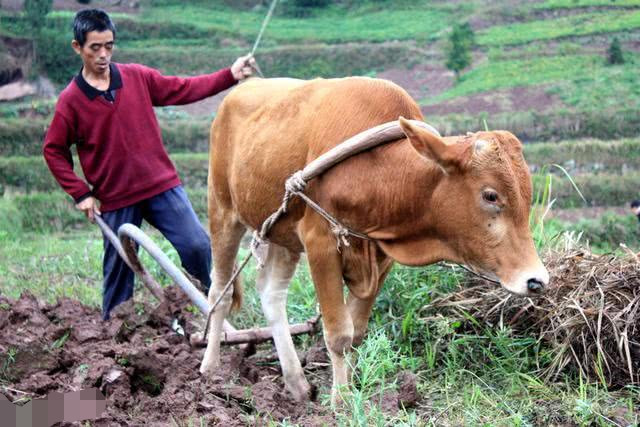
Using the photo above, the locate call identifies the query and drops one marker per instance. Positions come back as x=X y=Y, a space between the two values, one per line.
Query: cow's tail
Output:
x=236 y=298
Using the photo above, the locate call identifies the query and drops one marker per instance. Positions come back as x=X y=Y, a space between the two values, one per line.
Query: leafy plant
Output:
x=614 y=53
x=458 y=51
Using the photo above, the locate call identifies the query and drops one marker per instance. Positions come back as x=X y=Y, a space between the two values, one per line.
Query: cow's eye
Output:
x=490 y=196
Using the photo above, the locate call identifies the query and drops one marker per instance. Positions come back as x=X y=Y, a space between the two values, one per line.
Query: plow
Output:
x=128 y=235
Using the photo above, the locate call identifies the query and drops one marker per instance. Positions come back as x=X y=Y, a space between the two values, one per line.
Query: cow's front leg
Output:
x=360 y=306
x=326 y=271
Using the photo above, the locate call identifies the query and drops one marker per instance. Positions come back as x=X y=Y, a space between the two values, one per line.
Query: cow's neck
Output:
x=388 y=195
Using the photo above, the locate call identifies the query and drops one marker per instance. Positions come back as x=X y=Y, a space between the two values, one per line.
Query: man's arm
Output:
x=57 y=154
x=172 y=90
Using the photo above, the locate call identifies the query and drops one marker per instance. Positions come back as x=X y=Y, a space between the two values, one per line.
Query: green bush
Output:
x=534 y=126
x=54 y=211
x=24 y=137
x=25 y=174
x=20 y=137
x=614 y=53
x=31 y=174
x=598 y=190
x=605 y=232
x=186 y=135
x=55 y=58
x=584 y=156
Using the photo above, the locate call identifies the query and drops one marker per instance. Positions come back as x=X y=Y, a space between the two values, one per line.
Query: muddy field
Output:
x=149 y=373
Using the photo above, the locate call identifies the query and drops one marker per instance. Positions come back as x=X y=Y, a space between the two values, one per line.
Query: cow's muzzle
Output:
x=535 y=286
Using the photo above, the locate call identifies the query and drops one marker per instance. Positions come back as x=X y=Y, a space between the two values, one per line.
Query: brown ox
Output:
x=422 y=199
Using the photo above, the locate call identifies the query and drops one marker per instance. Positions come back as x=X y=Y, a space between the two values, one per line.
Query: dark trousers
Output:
x=172 y=214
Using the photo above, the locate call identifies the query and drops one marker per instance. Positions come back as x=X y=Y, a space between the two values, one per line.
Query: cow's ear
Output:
x=450 y=157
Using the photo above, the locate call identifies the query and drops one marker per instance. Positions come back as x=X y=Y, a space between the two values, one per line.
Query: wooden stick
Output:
x=258 y=335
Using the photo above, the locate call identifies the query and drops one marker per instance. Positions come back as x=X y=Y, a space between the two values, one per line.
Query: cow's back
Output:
x=267 y=129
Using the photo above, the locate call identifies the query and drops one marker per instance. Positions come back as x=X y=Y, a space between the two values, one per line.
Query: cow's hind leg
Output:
x=226 y=234
x=273 y=282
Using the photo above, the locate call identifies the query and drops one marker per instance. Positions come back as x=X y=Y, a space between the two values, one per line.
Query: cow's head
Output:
x=481 y=205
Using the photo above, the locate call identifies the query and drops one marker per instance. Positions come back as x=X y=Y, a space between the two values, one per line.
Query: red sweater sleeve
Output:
x=57 y=153
x=171 y=90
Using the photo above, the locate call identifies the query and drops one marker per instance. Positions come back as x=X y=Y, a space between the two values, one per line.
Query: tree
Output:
x=458 y=50
x=614 y=53
x=36 y=12
x=303 y=8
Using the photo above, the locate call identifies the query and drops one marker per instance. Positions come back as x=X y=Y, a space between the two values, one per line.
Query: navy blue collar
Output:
x=91 y=92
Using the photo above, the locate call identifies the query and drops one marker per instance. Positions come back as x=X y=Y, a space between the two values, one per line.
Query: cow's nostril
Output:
x=535 y=285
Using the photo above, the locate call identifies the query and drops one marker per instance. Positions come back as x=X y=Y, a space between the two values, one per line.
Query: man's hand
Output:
x=243 y=67
x=90 y=207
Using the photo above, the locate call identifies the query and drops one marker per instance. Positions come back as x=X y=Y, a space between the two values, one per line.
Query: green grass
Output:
x=603 y=234
x=601 y=87
x=567 y=26
x=331 y=25
x=522 y=72
x=573 y=4
x=66 y=264
x=582 y=82
x=586 y=155
x=488 y=377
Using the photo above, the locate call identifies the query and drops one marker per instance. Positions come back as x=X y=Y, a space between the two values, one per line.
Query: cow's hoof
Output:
x=299 y=389
x=340 y=395
x=196 y=339
x=208 y=369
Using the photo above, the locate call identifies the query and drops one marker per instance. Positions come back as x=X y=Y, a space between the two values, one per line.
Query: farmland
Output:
x=539 y=70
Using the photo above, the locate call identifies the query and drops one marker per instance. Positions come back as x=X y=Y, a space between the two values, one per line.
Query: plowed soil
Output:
x=147 y=371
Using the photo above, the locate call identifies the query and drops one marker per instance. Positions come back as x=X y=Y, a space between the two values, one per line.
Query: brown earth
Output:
x=148 y=373
x=425 y=81
x=531 y=98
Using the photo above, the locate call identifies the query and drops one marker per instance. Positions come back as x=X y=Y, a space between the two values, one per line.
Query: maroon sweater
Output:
x=120 y=144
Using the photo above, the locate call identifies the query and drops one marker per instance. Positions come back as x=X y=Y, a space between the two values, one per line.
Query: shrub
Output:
x=31 y=174
x=458 y=51
x=303 y=8
x=20 y=137
x=614 y=53
x=36 y=12
x=586 y=156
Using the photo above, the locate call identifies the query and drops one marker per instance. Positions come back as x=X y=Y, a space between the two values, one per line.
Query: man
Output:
x=635 y=208
x=107 y=111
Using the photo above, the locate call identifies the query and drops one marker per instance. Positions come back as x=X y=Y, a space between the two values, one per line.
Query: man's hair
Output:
x=635 y=204
x=88 y=20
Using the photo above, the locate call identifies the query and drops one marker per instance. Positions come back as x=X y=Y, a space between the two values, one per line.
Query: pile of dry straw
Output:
x=591 y=319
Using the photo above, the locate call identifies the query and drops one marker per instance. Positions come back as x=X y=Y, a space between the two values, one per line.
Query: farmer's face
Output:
x=96 y=51
x=636 y=210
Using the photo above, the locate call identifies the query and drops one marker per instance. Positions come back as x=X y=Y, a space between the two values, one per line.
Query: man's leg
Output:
x=171 y=213
x=118 y=277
